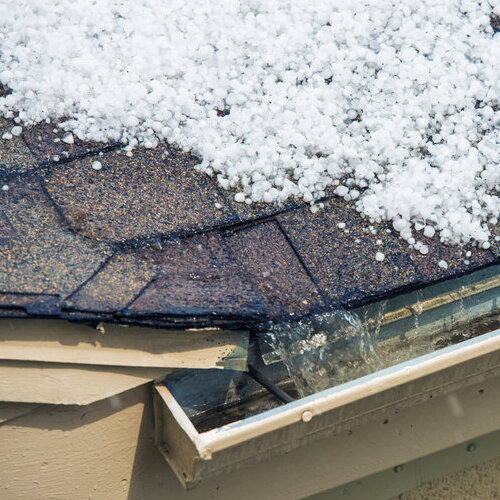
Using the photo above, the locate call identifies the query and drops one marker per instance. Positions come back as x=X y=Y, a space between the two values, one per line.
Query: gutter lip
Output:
x=307 y=408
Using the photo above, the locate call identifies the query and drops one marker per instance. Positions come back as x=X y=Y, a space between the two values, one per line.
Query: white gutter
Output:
x=288 y=426
x=309 y=407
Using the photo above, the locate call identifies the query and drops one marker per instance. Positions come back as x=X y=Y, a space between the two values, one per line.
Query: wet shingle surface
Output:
x=153 y=193
x=339 y=250
x=15 y=157
x=116 y=285
x=38 y=254
x=264 y=254
x=445 y=261
x=150 y=240
x=198 y=277
x=46 y=143
x=255 y=211
x=495 y=247
x=34 y=304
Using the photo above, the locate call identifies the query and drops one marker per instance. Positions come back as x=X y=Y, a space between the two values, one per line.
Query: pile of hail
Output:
x=391 y=104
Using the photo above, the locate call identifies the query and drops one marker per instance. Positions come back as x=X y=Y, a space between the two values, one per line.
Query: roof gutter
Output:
x=326 y=412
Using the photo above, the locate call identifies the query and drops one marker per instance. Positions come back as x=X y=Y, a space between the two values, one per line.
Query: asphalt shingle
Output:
x=455 y=257
x=37 y=253
x=495 y=244
x=198 y=277
x=34 y=304
x=46 y=144
x=15 y=157
x=154 y=193
x=264 y=254
x=255 y=211
x=117 y=284
x=342 y=260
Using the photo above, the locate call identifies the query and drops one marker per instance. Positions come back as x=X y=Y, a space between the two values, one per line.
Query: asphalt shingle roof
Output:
x=148 y=239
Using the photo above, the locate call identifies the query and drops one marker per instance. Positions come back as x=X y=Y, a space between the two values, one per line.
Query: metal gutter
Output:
x=320 y=403
x=324 y=413
x=464 y=292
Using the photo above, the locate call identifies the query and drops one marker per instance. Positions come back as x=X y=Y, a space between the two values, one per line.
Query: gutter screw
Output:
x=307 y=416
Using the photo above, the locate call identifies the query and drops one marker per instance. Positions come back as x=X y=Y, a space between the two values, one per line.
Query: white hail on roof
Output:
x=399 y=100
